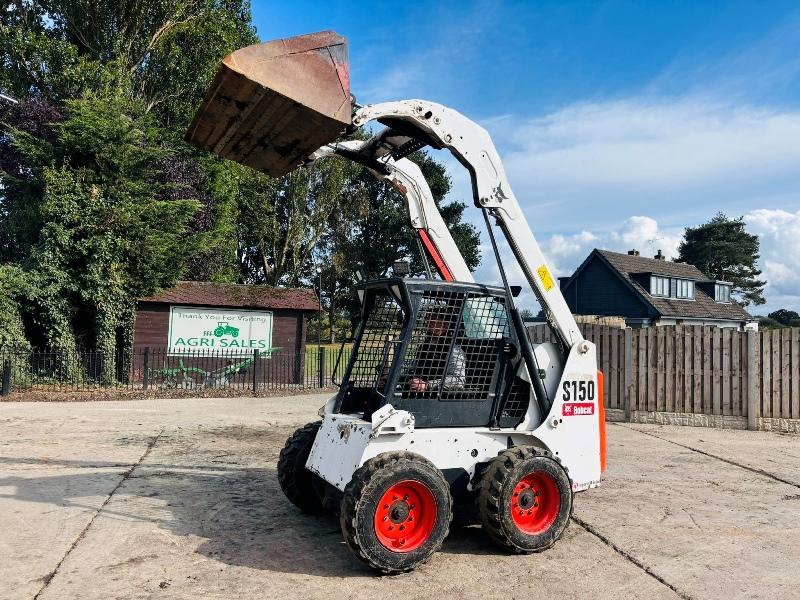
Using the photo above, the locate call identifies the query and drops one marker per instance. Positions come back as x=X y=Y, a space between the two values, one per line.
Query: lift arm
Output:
x=471 y=144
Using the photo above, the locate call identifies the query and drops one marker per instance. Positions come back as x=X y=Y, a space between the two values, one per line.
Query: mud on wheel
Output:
x=525 y=499
x=295 y=480
x=396 y=512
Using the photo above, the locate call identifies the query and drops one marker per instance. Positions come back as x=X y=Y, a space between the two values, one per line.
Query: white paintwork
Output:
x=471 y=144
x=345 y=442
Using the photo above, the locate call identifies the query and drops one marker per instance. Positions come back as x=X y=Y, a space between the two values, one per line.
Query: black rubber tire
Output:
x=360 y=500
x=497 y=487
x=295 y=480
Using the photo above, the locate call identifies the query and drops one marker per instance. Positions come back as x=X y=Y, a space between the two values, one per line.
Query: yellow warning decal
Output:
x=544 y=275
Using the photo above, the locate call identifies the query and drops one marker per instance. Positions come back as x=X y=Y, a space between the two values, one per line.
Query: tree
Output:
x=787 y=318
x=162 y=52
x=110 y=230
x=372 y=231
x=101 y=201
x=723 y=250
x=281 y=221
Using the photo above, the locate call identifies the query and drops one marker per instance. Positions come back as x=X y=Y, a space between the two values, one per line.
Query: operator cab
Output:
x=446 y=352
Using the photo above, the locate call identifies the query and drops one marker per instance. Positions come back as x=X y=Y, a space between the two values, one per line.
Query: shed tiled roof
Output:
x=702 y=307
x=206 y=293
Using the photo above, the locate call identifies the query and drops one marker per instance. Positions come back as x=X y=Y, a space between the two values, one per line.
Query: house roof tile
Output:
x=703 y=306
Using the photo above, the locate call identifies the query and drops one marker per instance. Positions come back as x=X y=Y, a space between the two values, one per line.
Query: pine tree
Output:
x=723 y=250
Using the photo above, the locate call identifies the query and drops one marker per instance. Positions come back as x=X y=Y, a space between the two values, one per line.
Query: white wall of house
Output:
x=739 y=325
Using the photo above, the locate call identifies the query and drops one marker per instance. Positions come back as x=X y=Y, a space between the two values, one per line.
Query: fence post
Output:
x=146 y=369
x=321 y=367
x=6 y=377
x=752 y=397
x=627 y=364
x=255 y=370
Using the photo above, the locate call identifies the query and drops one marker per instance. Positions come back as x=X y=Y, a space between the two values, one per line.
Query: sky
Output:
x=619 y=123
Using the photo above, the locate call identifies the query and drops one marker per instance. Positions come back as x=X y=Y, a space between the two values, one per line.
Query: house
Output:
x=651 y=291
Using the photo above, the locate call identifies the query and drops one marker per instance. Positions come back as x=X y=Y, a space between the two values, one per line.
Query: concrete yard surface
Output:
x=179 y=499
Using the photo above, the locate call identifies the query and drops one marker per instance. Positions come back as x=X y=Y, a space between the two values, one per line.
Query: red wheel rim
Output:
x=535 y=503
x=405 y=516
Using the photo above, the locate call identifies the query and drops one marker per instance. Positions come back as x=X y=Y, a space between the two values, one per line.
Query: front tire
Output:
x=525 y=500
x=396 y=512
x=295 y=480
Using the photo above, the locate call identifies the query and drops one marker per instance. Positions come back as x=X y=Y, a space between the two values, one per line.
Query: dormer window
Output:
x=684 y=289
x=659 y=286
x=722 y=293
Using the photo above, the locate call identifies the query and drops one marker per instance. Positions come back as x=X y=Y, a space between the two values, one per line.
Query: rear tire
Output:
x=396 y=512
x=295 y=480
x=525 y=500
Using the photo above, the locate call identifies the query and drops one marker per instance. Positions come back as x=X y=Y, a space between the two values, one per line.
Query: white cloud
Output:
x=779 y=233
x=652 y=144
x=565 y=253
x=582 y=171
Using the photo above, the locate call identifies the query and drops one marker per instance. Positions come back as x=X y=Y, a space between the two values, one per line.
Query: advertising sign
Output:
x=234 y=331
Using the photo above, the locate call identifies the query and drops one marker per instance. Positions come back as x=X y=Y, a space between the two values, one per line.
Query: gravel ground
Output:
x=179 y=499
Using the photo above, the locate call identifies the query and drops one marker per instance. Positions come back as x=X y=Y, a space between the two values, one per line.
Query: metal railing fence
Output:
x=148 y=368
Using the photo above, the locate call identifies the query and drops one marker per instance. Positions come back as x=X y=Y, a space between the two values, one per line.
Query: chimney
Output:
x=634 y=252
x=660 y=256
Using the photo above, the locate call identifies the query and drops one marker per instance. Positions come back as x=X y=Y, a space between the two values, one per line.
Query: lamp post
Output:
x=319 y=314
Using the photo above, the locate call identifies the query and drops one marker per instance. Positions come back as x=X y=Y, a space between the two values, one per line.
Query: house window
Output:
x=684 y=289
x=659 y=286
x=722 y=293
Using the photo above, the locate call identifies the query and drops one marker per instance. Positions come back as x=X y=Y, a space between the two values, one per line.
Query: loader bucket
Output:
x=273 y=104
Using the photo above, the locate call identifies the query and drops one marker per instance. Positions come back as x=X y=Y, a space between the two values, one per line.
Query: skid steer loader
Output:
x=443 y=401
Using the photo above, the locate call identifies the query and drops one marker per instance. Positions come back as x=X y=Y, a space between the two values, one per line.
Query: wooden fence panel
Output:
x=736 y=399
x=725 y=351
x=765 y=389
x=786 y=354
x=614 y=396
x=688 y=390
x=697 y=369
x=716 y=373
x=794 y=386
x=660 y=369
x=641 y=369
x=775 y=397
x=675 y=367
x=605 y=335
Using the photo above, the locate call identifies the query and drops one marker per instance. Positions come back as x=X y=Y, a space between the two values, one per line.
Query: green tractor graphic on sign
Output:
x=225 y=328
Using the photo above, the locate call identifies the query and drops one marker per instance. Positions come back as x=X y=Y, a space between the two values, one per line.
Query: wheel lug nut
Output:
x=385 y=518
x=402 y=527
x=405 y=497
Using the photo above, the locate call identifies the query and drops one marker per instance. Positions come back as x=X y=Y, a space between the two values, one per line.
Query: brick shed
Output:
x=208 y=318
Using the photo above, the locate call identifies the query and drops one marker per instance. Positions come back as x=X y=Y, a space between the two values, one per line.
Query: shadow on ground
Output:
x=218 y=485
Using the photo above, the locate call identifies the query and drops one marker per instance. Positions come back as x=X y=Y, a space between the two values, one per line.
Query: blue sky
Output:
x=619 y=123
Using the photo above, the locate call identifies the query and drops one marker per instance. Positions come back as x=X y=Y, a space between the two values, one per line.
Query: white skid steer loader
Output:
x=444 y=400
